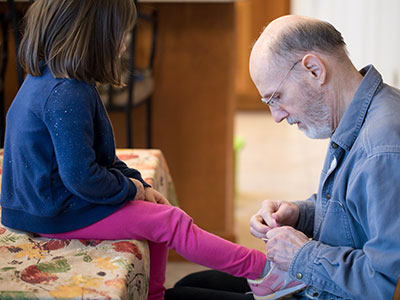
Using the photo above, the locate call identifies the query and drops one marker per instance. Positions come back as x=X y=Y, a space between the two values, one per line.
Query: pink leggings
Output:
x=169 y=227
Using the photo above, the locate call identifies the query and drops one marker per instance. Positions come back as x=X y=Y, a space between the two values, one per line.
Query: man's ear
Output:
x=315 y=67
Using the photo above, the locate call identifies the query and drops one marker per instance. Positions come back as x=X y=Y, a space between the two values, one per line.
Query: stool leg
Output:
x=158 y=266
x=131 y=87
x=15 y=20
x=149 y=122
x=4 y=60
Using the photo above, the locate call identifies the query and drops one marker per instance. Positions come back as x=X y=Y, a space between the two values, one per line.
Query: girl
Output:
x=62 y=178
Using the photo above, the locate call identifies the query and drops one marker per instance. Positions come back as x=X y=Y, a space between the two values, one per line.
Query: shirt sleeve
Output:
x=129 y=172
x=69 y=115
x=370 y=272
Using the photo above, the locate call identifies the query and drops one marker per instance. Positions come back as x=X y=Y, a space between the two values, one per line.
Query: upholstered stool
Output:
x=38 y=268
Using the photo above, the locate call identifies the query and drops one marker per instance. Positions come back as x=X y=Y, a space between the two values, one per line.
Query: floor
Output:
x=277 y=161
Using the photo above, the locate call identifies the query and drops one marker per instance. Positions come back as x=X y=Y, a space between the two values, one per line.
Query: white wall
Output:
x=371 y=30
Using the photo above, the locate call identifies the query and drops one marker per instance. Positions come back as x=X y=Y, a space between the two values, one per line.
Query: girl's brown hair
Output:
x=79 y=39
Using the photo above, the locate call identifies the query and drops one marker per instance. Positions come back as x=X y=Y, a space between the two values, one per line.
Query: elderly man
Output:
x=344 y=241
x=302 y=71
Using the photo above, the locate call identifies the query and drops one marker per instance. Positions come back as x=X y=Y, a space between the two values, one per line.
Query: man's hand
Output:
x=152 y=195
x=282 y=245
x=139 y=189
x=272 y=214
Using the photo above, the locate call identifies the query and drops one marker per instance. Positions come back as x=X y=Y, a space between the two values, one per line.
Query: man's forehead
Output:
x=261 y=67
x=265 y=80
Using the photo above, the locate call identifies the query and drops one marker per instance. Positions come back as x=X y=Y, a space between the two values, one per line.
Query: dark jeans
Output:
x=210 y=285
x=215 y=285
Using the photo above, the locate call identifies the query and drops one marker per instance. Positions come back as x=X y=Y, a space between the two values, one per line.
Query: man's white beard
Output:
x=317 y=120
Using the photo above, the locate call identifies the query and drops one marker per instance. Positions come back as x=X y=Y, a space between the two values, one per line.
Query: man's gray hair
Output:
x=303 y=37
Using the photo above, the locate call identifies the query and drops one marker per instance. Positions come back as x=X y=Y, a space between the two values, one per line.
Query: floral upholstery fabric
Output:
x=38 y=268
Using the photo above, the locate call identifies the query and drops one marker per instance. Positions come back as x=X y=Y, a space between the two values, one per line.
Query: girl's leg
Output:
x=170 y=225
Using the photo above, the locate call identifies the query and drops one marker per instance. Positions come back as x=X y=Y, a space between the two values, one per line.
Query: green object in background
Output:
x=238 y=144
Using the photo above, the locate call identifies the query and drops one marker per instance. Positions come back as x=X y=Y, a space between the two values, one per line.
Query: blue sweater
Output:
x=60 y=171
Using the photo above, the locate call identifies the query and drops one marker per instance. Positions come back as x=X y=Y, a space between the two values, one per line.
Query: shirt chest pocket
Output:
x=335 y=227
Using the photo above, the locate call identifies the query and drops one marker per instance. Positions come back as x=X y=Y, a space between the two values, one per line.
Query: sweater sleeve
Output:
x=69 y=114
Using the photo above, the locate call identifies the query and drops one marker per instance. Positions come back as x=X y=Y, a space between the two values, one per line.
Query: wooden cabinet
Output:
x=194 y=105
x=251 y=17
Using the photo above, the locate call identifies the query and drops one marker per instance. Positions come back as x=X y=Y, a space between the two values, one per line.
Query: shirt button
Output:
x=299 y=276
x=328 y=196
x=334 y=145
x=315 y=295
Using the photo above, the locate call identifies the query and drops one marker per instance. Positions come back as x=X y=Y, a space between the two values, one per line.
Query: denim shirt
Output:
x=354 y=220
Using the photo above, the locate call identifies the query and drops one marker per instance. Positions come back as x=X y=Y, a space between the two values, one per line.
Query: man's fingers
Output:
x=257 y=223
x=267 y=210
x=257 y=234
x=258 y=227
x=287 y=214
x=268 y=218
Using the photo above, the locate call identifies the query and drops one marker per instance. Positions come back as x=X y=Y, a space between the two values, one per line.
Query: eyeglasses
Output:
x=271 y=101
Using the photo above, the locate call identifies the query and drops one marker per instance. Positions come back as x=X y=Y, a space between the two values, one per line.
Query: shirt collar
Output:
x=354 y=116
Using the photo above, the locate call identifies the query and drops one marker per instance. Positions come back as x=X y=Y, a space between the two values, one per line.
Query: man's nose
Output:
x=278 y=114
